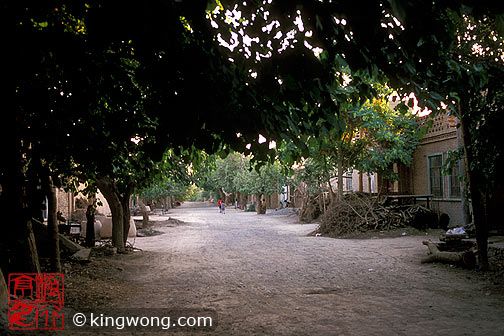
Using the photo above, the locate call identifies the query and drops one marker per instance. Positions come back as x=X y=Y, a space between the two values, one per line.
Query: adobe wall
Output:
x=272 y=201
x=104 y=208
x=65 y=203
x=365 y=182
x=441 y=138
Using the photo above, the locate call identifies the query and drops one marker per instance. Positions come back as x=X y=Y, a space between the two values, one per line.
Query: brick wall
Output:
x=441 y=138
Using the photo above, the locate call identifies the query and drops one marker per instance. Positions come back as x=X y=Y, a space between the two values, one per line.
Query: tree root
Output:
x=466 y=259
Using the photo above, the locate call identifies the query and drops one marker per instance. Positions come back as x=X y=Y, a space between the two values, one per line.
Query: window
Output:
x=454 y=182
x=435 y=162
x=371 y=182
x=349 y=181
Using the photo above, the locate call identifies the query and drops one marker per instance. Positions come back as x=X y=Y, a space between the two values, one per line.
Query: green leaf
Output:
x=499 y=22
x=341 y=61
x=398 y=10
x=455 y=96
x=436 y=96
x=410 y=67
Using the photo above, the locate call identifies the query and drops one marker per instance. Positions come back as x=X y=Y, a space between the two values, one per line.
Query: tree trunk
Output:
x=463 y=169
x=31 y=254
x=322 y=202
x=4 y=292
x=304 y=205
x=477 y=197
x=145 y=215
x=329 y=187
x=241 y=201
x=18 y=241
x=361 y=181
x=222 y=195
x=261 y=208
x=108 y=190
x=340 y=178
x=90 y=221
x=465 y=259
x=52 y=227
x=126 y=212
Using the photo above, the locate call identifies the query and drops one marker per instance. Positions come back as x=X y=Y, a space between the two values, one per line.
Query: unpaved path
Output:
x=264 y=275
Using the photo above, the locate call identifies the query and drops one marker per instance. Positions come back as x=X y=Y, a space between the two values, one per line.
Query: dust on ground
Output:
x=100 y=282
x=266 y=275
x=398 y=232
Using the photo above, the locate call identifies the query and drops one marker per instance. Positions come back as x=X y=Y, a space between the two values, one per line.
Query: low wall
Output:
x=106 y=227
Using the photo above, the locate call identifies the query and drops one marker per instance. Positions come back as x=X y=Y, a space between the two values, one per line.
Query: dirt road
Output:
x=264 y=275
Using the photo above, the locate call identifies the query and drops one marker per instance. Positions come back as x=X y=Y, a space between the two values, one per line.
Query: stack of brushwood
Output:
x=358 y=212
x=312 y=208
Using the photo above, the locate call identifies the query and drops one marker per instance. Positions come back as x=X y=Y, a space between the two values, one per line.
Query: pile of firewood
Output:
x=359 y=213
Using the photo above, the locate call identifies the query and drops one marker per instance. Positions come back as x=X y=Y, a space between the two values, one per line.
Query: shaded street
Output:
x=263 y=274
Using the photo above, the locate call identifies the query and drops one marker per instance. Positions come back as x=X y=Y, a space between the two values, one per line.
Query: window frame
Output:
x=349 y=181
x=429 y=185
x=450 y=177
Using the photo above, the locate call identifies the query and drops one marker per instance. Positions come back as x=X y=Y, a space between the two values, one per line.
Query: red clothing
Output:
x=220 y=203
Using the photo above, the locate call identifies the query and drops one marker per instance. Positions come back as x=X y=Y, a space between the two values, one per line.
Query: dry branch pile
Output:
x=311 y=209
x=358 y=212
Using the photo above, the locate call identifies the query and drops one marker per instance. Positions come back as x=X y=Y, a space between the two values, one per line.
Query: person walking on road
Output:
x=220 y=205
x=223 y=208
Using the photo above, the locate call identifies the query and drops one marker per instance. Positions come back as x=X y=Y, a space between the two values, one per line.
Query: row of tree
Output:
x=103 y=96
x=443 y=52
x=372 y=137
x=236 y=177
x=103 y=90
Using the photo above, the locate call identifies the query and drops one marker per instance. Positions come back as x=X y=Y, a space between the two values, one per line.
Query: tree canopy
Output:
x=213 y=75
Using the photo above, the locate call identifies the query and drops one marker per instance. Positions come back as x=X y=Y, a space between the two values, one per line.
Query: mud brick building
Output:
x=425 y=175
x=71 y=208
